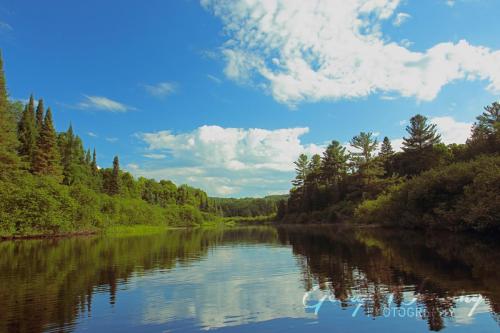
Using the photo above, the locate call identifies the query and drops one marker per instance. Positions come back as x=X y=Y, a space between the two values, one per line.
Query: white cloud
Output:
x=228 y=161
x=4 y=26
x=161 y=89
x=450 y=3
x=103 y=104
x=214 y=78
x=452 y=131
x=235 y=148
x=155 y=156
x=92 y=134
x=332 y=49
x=400 y=19
x=112 y=140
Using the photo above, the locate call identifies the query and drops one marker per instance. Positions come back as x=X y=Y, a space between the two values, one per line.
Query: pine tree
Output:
x=47 y=158
x=93 y=164
x=114 y=184
x=88 y=158
x=26 y=133
x=301 y=167
x=67 y=156
x=334 y=163
x=386 y=150
x=366 y=144
x=422 y=135
x=8 y=138
x=39 y=114
x=386 y=156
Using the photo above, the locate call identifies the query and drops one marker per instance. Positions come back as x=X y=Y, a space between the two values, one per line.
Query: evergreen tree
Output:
x=368 y=169
x=485 y=136
x=421 y=150
x=67 y=156
x=114 y=183
x=93 y=164
x=366 y=146
x=314 y=172
x=422 y=135
x=334 y=163
x=386 y=155
x=386 y=150
x=47 y=158
x=301 y=167
x=88 y=158
x=26 y=133
x=39 y=114
x=8 y=138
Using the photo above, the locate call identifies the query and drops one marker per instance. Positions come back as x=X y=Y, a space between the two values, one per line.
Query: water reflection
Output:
x=249 y=279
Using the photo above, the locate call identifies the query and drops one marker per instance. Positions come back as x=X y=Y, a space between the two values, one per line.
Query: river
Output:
x=286 y=279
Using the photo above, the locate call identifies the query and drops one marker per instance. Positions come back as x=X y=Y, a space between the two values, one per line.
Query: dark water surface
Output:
x=255 y=279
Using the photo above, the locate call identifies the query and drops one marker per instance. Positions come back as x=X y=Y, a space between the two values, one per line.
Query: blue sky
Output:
x=224 y=95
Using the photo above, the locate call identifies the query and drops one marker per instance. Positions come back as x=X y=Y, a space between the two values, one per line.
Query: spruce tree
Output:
x=422 y=135
x=386 y=155
x=8 y=138
x=93 y=164
x=114 y=184
x=386 y=150
x=39 y=114
x=88 y=157
x=67 y=156
x=47 y=158
x=26 y=133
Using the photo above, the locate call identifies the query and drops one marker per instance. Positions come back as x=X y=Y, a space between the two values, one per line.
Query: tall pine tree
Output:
x=93 y=164
x=422 y=135
x=114 y=183
x=39 y=115
x=27 y=134
x=47 y=159
x=8 y=139
x=67 y=156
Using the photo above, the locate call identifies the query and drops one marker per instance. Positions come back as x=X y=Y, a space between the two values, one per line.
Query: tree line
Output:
x=248 y=207
x=428 y=183
x=50 y=183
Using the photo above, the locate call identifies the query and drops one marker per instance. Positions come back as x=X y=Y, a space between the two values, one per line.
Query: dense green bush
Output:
x=459 y=196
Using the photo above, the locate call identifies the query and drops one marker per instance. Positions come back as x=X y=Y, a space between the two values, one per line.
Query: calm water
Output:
x=252 y=279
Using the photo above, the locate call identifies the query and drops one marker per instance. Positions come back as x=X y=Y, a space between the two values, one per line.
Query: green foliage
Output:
x=47 y=159
x=462 y=195
x=247 y=207
x=27 y=134
x=9 y=159
x=60 y=189
x=428 y=184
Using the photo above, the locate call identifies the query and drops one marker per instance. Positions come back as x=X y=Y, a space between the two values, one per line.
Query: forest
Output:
x=51 y=184
x=248 y=207
x=426 y=185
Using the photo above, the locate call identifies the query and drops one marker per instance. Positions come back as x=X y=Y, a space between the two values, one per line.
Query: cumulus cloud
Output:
x=161 y=89
x=229 y=160
x=452 y=131
x=92 y=134
x=333 y=49
x=103 y=104
x=400 y=19
x=235 y=148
